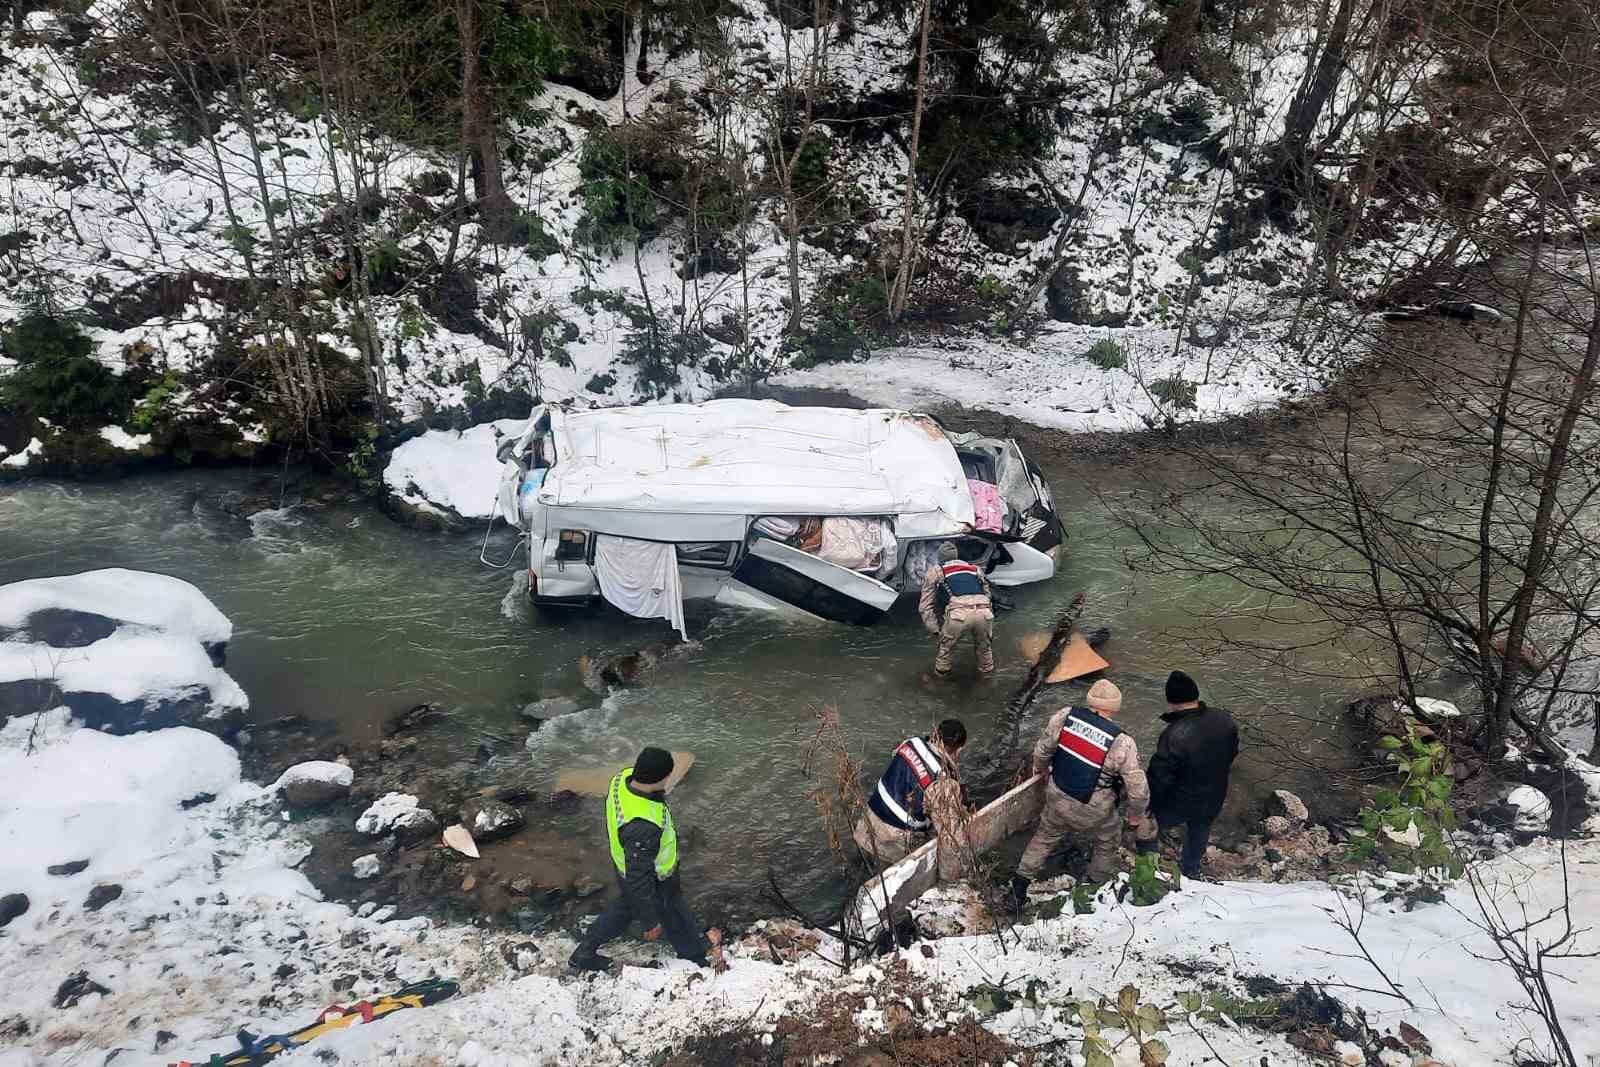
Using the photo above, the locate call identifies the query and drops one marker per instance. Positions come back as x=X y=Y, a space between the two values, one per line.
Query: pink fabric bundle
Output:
x=986 y=504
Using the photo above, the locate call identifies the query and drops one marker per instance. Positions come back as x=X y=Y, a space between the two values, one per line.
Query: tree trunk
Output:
x=1309 y=103
x=908 y=249
x=479 y=132
x=1537 y=560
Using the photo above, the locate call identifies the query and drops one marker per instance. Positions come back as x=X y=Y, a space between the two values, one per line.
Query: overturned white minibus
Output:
x=830 y=511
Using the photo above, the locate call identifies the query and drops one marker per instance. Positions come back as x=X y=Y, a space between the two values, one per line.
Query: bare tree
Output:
x=799 y=125
x=900 y=292
x=1530 y=940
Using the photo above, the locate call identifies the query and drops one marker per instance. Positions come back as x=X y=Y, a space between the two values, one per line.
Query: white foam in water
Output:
x=514 y=605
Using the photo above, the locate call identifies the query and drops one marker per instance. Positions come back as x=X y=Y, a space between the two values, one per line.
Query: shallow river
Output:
x=344 y=616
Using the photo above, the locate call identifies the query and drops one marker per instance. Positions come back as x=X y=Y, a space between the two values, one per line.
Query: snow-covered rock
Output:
x=314 y=783
x=1438 y=709
x=397 y=813
x=1532 y=809
x=366 y=866
x=157 y=601
x=450 y=472
x=489 y=819
x=126 y=651
x=114 y=801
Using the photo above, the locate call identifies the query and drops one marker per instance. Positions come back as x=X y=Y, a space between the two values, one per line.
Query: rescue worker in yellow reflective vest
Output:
x=1092 y=763
x=900 y=809
x=955 y=601
x=644 y=848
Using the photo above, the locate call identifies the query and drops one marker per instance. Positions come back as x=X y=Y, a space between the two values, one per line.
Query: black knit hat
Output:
x=1181 y=688
x=653 y=765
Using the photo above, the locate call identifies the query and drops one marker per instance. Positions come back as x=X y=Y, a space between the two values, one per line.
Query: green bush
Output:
x=617 y=204
x=1175 y=392
x=661 y=354
x=834 y=339
x=1106 y=354
x=1191 y=116
x=1421 y=800
x=56 y=378
x=155 y=406
x=1146 y=884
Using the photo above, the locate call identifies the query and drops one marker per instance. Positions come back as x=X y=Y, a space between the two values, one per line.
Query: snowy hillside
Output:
x=157 y=211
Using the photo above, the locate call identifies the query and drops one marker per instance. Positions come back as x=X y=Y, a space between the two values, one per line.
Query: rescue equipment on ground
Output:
x=254 y=1051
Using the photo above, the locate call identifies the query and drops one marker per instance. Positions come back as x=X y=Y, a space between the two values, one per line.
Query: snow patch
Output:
x=19 y=460
x=454 y=470
x=117 y=437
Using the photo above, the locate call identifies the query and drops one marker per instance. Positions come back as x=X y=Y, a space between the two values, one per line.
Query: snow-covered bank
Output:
x=450 y=471
x=152 y=904
x=1052 y=382
x=129 y=650
x=211 y=928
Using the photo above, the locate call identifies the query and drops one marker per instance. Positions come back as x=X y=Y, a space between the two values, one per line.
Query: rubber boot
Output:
x=1017 y=898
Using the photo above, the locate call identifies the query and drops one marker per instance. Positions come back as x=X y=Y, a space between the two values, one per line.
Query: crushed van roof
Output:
x=758 y=457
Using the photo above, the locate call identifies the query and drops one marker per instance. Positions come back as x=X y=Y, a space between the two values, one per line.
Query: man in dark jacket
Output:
x=644 y=848
x=1189 y=772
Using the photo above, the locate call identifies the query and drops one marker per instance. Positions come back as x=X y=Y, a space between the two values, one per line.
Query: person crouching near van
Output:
x=920 y=781
x=1091 y=761
x=955 y=601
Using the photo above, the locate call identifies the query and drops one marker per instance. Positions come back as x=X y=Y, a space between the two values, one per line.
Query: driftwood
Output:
x=991 y=771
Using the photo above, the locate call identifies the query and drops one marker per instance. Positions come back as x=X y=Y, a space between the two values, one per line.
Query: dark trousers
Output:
x=678 y=923
x=1196 y=836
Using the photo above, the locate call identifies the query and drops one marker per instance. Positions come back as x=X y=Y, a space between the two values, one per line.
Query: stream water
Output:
x=345 y=617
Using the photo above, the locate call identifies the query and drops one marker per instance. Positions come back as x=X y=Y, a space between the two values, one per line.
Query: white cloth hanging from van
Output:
x=641 y=578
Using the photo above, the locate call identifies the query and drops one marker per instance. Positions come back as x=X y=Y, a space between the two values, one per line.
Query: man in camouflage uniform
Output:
x=1090 y=761
x=955 y=601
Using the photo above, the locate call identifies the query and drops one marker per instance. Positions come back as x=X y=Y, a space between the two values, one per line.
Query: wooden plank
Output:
x=902 y=883
x=594 y=781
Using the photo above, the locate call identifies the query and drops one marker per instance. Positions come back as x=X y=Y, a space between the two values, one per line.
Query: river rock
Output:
x=1286 y=814
x=11 y=906
x=101 y=895
x=412 y=718
x=365 y=867
x=550 y=708
x=600 y=672
x=65 y=870
x=397 y=813
x=1275 y=826
x=75 y=988
x=490 y=819
x=314 y=783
